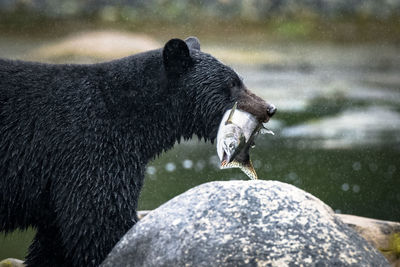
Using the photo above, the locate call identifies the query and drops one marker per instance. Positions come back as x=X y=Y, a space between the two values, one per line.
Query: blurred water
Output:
x=337 y=131
x=363 y=180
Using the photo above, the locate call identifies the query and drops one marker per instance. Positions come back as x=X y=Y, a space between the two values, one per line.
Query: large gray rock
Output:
x=243 y=223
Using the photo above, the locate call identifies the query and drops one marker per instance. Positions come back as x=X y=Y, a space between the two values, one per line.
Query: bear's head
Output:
x=210 y=86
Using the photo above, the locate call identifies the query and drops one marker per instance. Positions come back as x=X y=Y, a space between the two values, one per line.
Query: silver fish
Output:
x=236 y=135
x=230 y=137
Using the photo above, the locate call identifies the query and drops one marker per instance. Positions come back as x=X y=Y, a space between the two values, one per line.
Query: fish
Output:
x=241 y=160
x=235 y=137
x=230 y=137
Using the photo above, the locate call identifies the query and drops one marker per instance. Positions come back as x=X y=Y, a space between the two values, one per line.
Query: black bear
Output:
x=75 y=141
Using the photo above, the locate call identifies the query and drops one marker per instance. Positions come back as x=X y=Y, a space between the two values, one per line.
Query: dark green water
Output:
x=360 y=181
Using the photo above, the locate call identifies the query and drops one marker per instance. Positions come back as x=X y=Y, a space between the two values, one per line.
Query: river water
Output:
x=336 y=129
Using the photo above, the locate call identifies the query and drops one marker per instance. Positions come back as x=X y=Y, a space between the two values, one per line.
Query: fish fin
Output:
x=265 y=130
x=247 y=168
x=229 y=120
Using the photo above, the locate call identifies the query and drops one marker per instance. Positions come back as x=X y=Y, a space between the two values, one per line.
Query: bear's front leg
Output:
x=93 y=213
x=91 y=245
x=45 y=249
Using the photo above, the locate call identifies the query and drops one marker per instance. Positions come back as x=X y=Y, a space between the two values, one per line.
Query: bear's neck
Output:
x=144 y=105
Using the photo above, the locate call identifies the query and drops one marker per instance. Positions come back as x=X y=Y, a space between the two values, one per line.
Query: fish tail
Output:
x=249 y=170
x=246 y=167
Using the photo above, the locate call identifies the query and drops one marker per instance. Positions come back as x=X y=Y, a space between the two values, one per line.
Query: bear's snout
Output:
x=256 y=106
x=271 y=110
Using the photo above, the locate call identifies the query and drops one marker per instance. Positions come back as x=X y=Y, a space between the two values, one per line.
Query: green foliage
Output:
x=394 y=246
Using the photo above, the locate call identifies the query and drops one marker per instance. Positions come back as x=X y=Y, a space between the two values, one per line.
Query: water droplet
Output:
x=187 y=164
x=170 y=167
x=373 y=167
x=200 y=165
x=292 y=176
x=387 y=175
x=214 y=161
x=356 y=188
x=298 y=182
x=391 y=169
x=267 y=167
x=356 y=166
x=151 y=170
x=257 y=163
x=345 y=187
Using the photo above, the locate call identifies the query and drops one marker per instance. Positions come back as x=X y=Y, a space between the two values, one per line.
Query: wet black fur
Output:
x=75 y=140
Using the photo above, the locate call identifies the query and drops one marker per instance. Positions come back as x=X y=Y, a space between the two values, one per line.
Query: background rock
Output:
x=379 y=233
x=10 y=262
x=243 y=223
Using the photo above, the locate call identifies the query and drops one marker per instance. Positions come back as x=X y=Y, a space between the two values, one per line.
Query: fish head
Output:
x=230 y=140
x=231 y=147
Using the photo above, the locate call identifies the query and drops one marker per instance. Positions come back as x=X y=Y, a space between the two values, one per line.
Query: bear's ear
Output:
x=176 y=56
x=193 y=42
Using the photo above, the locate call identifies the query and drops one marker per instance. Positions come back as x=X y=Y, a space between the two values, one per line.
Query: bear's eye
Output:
x=231 y=84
